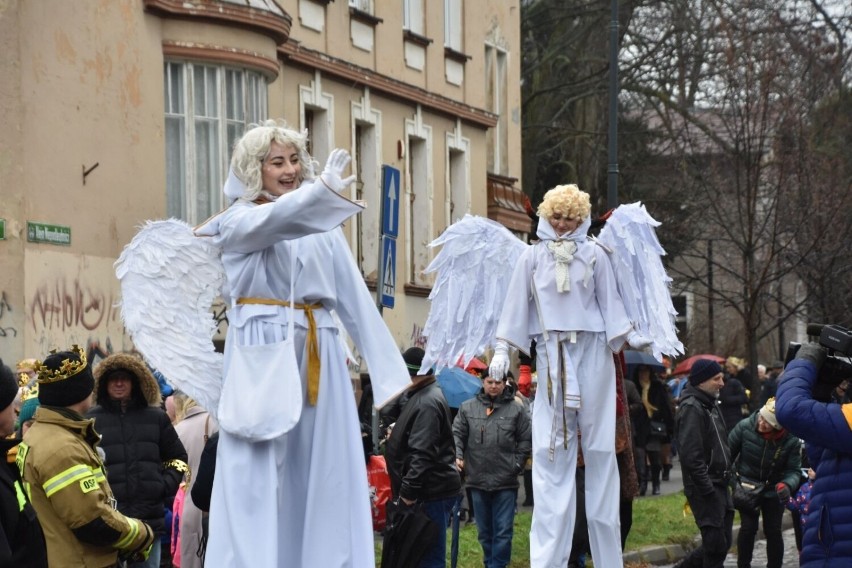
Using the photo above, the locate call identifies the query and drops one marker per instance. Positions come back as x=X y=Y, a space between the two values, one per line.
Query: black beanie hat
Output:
x=413 y=358
x=8 y=386
x=65 y=378
x=702 y=370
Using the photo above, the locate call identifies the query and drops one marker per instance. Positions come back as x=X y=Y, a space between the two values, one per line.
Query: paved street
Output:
x=675 y=484
x=791 y=555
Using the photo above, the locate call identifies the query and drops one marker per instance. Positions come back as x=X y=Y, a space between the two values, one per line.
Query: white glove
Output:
x=638 y=341
x=500 y=362
x=334 y=167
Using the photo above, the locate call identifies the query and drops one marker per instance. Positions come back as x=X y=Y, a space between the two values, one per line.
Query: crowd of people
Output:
x=107 y=464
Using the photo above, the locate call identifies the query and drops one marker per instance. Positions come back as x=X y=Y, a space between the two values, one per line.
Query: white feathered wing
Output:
x=473 y=270
x=636 y=256
x=169 y=280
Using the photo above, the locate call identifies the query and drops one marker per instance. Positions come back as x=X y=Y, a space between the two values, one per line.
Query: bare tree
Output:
x=730 y=88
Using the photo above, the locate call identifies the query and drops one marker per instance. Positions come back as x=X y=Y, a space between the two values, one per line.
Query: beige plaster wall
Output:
x=71 y=299
x=11 y=180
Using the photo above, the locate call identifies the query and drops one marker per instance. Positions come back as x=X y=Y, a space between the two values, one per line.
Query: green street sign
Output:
x=51 y=234
x=2 y=229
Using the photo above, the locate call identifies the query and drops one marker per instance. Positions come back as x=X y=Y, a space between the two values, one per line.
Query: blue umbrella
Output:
x=633 y=358
x=458 y=385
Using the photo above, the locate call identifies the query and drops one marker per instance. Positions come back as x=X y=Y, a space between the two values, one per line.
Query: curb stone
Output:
x=670 y=553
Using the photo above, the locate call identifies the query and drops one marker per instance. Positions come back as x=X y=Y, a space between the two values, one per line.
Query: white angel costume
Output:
x=564 y=295
x=580 y=300
x=302 y=499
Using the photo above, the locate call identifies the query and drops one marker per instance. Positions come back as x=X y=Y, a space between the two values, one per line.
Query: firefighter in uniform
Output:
x=64 y=476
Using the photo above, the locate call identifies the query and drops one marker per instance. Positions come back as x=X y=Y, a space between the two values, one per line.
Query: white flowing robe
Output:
x=576 y=378
x=300 y=500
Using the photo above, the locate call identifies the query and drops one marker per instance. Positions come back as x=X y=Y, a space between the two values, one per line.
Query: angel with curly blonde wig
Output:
x=567 y=200
x=251 y=150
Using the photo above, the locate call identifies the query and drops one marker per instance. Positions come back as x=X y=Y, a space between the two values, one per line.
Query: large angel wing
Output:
x=642 y=280
x=473 y=272
x=169 y=280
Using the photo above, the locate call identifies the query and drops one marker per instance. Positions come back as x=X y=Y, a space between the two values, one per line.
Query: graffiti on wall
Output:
x=5 y=307
x=63 y=304
x=72 y=299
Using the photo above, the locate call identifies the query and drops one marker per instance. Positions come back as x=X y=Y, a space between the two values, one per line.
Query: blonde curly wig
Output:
x=567 y=200
x=253 y=147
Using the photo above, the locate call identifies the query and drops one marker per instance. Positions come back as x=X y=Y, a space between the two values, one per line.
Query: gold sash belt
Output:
x=312 y=344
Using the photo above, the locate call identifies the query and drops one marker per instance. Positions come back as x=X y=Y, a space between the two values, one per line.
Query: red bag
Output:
x=380 y=490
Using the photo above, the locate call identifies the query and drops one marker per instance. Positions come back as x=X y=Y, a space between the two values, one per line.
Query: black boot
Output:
x=528 y=488
x=643 y=488
x=666 y=469
x=655 y=480
x=655 y=488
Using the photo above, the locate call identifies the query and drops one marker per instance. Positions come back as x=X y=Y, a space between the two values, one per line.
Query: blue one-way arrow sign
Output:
x=390 y=201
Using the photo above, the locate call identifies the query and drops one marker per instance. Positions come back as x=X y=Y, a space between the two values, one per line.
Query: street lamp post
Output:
x=612 y=169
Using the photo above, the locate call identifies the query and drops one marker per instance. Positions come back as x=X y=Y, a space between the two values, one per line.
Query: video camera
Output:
x=838 y=343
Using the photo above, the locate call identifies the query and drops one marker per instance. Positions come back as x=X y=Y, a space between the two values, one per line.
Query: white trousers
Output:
x=555 y=465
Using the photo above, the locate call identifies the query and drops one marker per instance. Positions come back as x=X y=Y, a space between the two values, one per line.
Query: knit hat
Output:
x=703 y=370
x=8 y=386
x=768 y=413
x=413 y=358
x=28 y=408
x=65 y=378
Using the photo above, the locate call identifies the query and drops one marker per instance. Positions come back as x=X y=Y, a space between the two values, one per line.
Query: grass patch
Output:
x=656 y=520
x=661 y=520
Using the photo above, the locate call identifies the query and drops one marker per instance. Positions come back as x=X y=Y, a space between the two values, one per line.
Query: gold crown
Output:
x=66 y=370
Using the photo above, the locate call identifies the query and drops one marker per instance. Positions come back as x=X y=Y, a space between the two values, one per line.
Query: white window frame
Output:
x=363 y=5
x=322 y=106
x=183 y=186
x=497 y=92
x=453 y=25
x=365 y=228
x=413 y=16
x=420 y=197
x=457 y=199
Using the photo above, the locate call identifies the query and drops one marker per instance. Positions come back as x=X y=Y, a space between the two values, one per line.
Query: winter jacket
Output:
x=419 y=452
x=753 y=455
x=826 y=429
x=194 y=431
x=64 y=478
x=732 y=397
x=494 y=446
x=658 y=396
x=145 y=459
x=21 y=538
x=702 y=442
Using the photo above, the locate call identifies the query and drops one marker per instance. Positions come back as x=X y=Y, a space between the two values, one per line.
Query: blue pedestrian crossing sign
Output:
x=388 y=271
x=390 y=201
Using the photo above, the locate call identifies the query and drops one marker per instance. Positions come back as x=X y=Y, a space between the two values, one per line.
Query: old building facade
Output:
x=119 y=111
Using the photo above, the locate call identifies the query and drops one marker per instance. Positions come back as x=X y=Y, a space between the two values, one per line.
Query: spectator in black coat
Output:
x=420 y=454
x=21 y=538
x=705 y=462
x=733 y=400
x=145 y=460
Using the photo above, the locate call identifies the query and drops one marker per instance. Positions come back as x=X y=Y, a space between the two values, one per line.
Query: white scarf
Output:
x=563 y=253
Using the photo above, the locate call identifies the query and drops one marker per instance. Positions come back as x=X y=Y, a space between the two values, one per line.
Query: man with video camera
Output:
x=803 y=407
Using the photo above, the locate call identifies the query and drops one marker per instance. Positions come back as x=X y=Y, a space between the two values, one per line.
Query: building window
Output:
x=317 y=116
x=458 y=175
x=362 y=5
x=453 y=24
x=419 y=180
x=366 y=164
x=207 y=109
x=496 y=84
x=413 y=16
